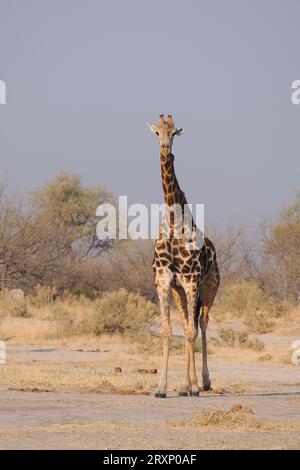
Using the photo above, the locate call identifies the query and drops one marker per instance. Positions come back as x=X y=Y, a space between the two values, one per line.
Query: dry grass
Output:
x=122 y=318
x=118 y=312
x=246 y=301
x=274 y=355
x=69 y=376
x=233 y=338
x=242 y=298
x=95 y=373
x=290 y=323
x=129 y=352
x=259 y=322
x=239 y=419
x=73 y=430
x=27 y=331
x=129 y=314
x=238 y=387
x=74 y=427
x=30 y=331
x=12 y=307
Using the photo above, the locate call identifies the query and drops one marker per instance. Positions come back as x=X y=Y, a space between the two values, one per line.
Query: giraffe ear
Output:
x=152 y=128
x=178 y=131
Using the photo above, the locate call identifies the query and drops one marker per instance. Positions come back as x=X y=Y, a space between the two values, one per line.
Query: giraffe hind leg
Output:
x=207 y=295
x=204 y=317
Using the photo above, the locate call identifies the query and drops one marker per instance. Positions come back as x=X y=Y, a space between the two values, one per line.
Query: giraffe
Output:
x=185 y=265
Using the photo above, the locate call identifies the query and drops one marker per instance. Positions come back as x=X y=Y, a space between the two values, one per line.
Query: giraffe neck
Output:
x=172 y=192
x=173 y=227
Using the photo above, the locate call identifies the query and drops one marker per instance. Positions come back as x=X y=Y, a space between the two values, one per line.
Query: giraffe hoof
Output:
x=160 y=395
x=183 y=394
x=207 y=386
x=195 y=393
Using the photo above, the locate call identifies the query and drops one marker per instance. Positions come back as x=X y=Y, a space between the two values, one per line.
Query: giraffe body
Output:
x=184 y=263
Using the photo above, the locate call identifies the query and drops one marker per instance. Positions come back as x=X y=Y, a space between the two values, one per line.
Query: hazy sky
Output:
x=84 y=77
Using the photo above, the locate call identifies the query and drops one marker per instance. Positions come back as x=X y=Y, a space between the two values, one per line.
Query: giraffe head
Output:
x=165 y=131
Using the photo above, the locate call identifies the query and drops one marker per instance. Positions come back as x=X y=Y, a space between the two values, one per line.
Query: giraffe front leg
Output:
x=180 y=301
x=191 y=336
x=185 y=388
x=195 y=391
x=163 y=294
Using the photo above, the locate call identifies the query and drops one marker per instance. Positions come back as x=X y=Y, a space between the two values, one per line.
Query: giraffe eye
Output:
x=156 y=133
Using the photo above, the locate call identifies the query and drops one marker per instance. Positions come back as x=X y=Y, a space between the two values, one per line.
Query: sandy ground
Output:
x=75 y=417
x=90 y=421
x=69 y=397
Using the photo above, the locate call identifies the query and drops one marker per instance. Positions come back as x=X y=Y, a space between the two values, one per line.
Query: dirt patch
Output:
x=97 y=350
x=93 y=406
x=33 y=390
x=94 y=421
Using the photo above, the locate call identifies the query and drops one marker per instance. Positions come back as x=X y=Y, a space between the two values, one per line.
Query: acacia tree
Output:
x=236 y=253
x=280 y=267
x=27 y=251
x=42 y=240
x=70 y=207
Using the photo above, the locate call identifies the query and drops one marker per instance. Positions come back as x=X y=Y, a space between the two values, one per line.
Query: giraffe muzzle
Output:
x=165 y=149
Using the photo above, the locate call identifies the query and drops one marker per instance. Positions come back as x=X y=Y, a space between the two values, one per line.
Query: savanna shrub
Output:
x=233 y=338
x=244 y=298
x=12 y=307
x=121 y=312
x=41 y=296
x=259 y=322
